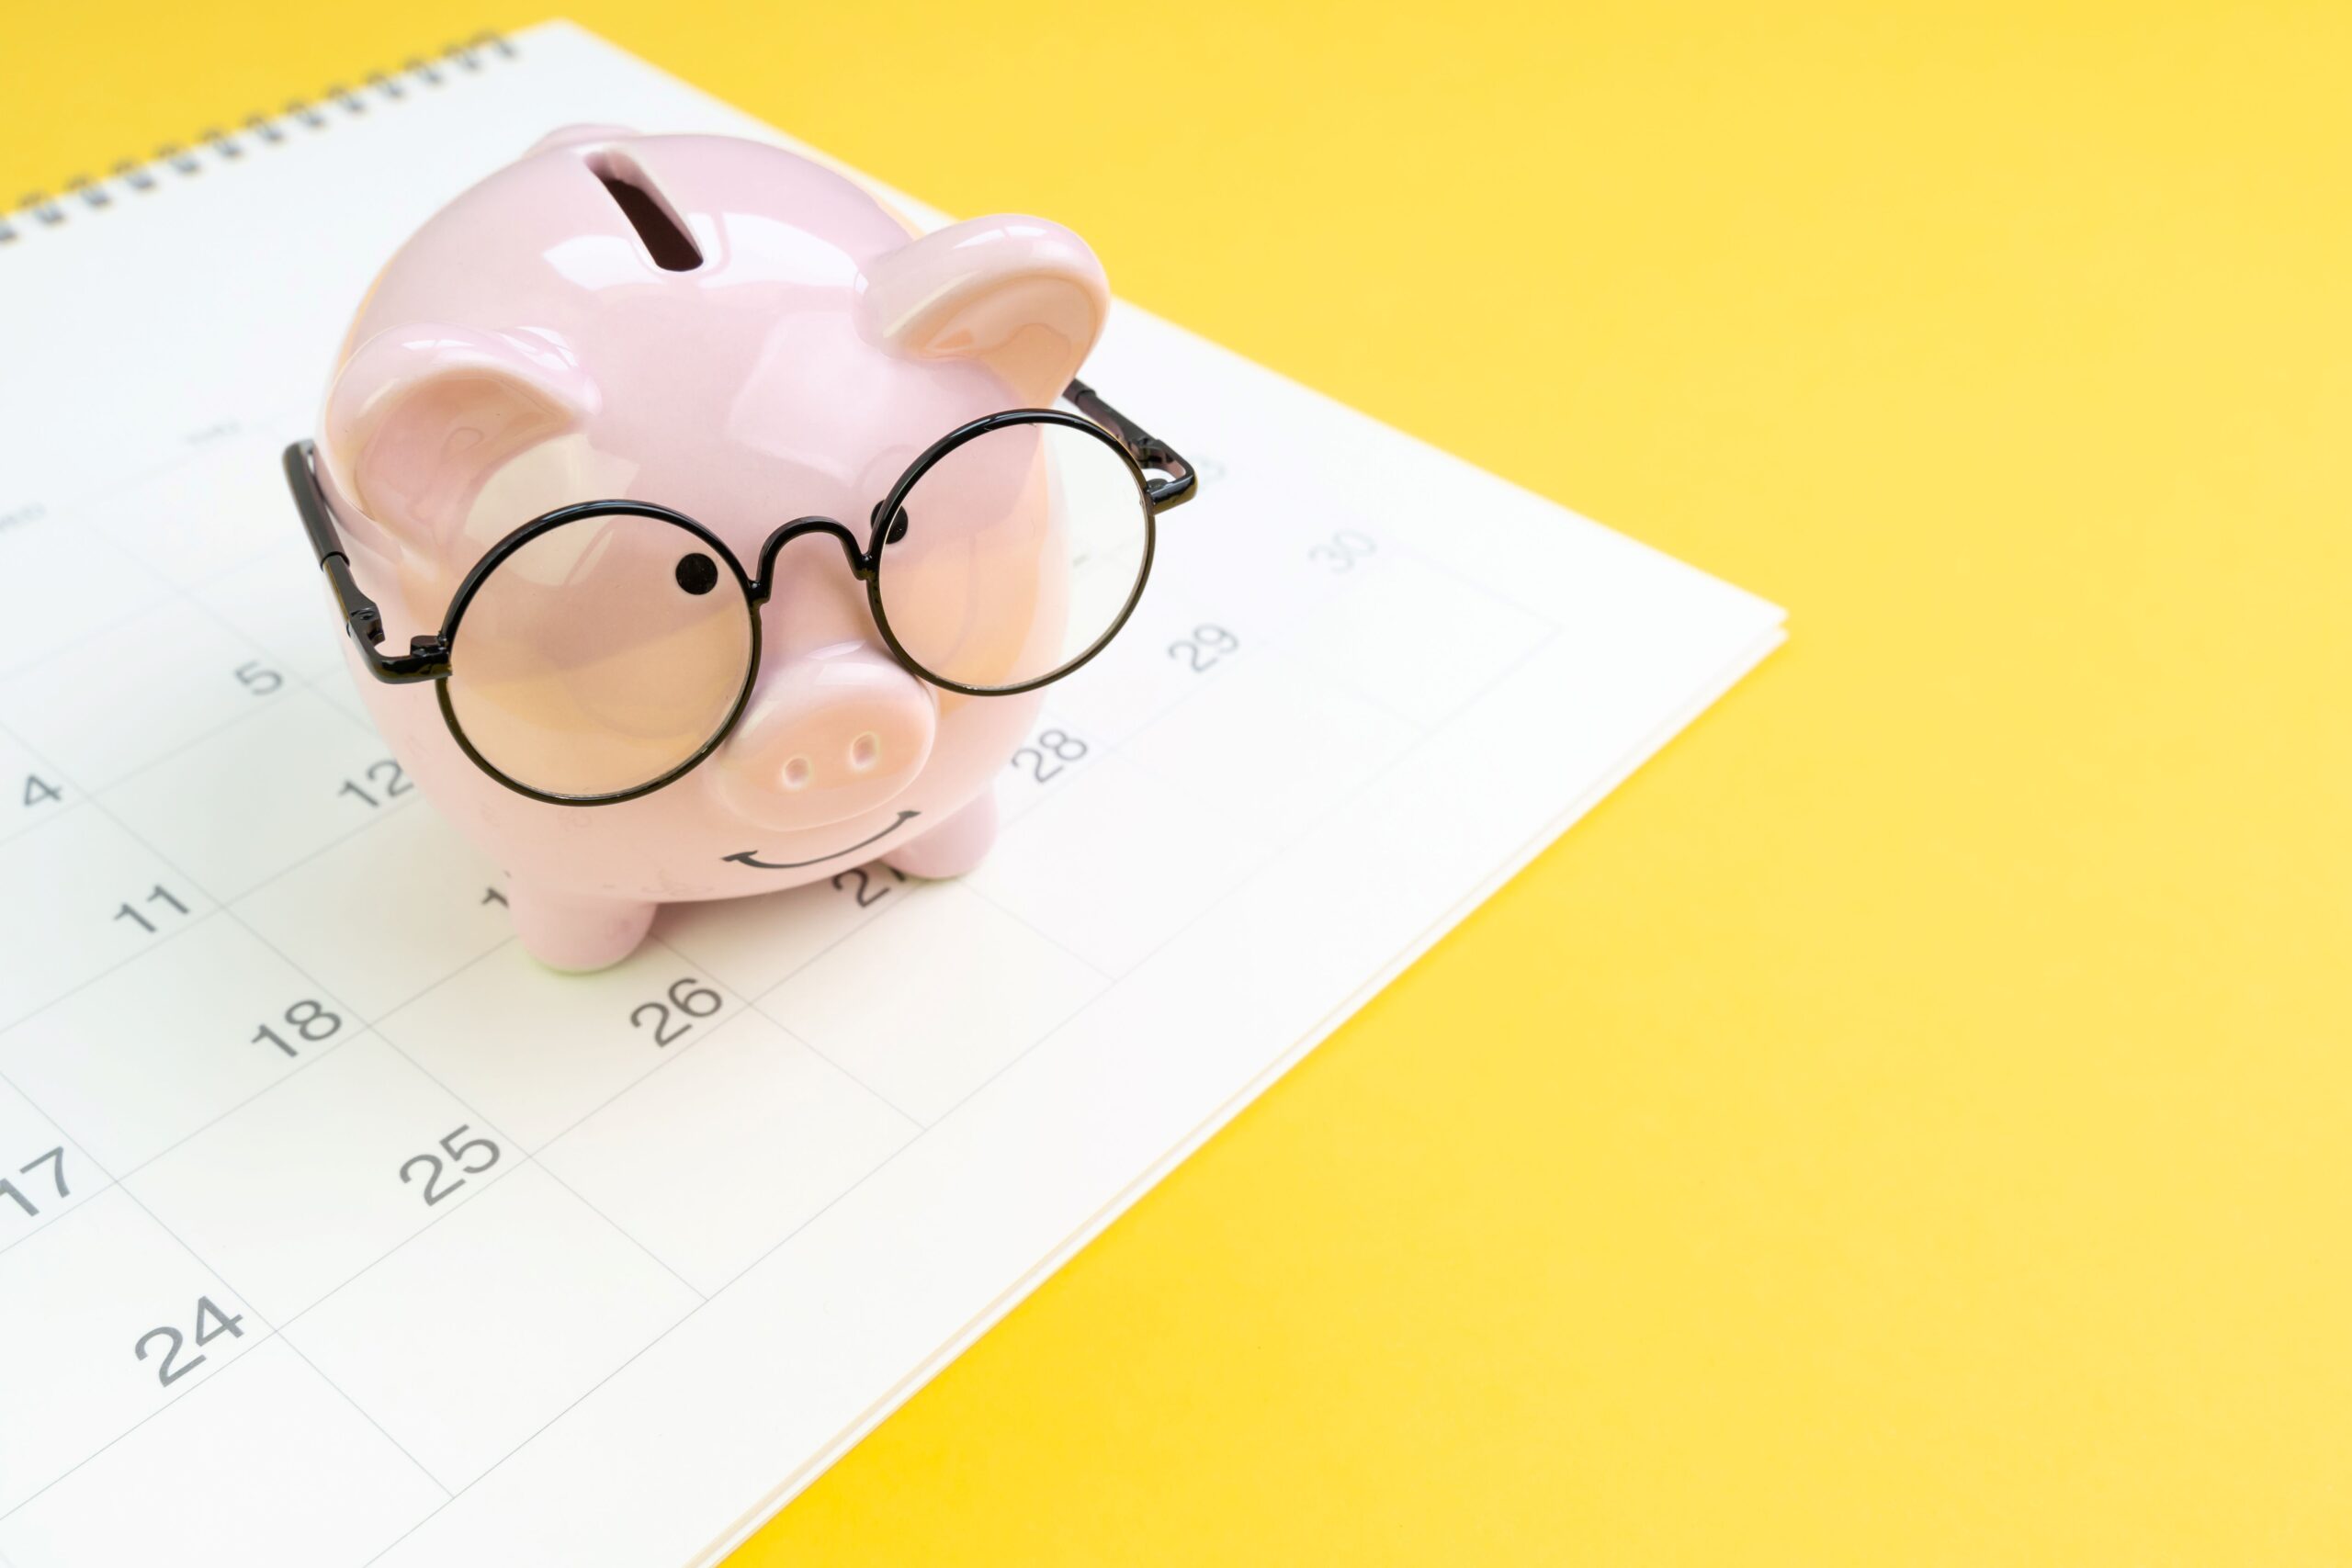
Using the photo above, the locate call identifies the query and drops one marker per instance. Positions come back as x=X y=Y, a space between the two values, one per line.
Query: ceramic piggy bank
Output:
x=728 y=524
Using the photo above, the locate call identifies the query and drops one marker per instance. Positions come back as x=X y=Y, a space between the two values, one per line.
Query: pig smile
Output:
x=751 y=857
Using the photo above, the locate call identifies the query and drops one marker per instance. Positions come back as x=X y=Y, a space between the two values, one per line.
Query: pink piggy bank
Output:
x=728 y=521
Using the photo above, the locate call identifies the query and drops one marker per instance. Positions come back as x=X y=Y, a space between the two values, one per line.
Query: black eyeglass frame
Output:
x=428 y=658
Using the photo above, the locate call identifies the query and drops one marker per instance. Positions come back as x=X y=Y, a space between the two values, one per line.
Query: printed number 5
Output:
x=259 y=678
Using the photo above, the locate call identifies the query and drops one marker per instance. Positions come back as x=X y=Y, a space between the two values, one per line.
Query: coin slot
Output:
x=664 y=237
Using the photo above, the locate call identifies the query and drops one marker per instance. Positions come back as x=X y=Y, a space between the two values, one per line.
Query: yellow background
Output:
x=1907 y=1124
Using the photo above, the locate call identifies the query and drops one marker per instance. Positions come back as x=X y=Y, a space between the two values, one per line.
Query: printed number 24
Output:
x=210 y=1324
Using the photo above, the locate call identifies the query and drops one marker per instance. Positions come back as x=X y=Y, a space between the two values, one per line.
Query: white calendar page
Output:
x=335 y=1231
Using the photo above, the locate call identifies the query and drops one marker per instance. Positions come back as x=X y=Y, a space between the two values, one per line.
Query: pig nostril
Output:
x=865 y=752
x=795 y=773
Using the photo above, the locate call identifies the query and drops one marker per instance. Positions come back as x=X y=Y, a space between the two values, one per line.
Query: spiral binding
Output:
x=132 y=178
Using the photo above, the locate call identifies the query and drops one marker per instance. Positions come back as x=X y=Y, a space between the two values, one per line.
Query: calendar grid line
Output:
x=1044 y=1036
x=223 y=1371
x=88 y=633
x=87 y=799
x=523 y=1157
x=277 y=1330
x=108 y=1181
x=228 y=429
x=808 y=1045
x=308 y=1060
x=306 y=683
x=1272 y=638
x=259 y=711
x=270 y=1330
x=164 y=939
x=1247 y=793
x=365 y=1025
x=841 y=937
x=634 y=1240
x=533 y=1434
x=95 y=801
x=744 y=1005
x=62 y=1476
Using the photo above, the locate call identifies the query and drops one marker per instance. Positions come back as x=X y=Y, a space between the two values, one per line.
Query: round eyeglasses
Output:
x=604 y=649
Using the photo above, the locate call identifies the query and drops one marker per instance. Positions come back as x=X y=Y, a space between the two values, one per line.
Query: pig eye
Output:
x=698 y=574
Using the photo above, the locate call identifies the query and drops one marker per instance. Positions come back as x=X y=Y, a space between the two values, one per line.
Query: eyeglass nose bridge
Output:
x=860 y=565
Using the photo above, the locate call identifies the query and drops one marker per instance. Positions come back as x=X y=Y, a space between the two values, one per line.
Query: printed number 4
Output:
x=434 y=1190
x=210 y=1324
x=40 y=791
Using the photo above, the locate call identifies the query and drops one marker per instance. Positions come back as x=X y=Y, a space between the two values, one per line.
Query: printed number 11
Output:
x=161 y=893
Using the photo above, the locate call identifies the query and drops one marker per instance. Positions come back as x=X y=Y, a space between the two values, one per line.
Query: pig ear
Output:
x=421 y=416
x=1022 y=296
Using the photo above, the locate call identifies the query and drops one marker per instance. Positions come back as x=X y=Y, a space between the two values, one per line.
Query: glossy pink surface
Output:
x=526 y=350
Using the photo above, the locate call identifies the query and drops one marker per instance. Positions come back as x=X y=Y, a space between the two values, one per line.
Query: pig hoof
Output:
x=952 y=848
x=576 y=931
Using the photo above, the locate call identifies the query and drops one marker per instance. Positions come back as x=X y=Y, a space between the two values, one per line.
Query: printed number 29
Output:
x=1204 y=649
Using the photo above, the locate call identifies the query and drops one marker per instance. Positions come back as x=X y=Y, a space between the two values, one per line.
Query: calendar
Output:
x=333 y=1230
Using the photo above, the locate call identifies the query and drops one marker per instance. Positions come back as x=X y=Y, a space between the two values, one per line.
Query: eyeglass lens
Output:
x=1015 y=555
x=600 y=655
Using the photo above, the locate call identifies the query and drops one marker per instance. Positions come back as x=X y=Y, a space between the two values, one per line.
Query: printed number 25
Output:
x=431 y=1163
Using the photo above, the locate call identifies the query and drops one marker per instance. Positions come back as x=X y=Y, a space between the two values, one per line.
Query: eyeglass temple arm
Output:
x=1151 y=453
x=427 y=657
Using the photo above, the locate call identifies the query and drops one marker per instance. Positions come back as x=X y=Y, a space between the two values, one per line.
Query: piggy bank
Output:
x=728 y=518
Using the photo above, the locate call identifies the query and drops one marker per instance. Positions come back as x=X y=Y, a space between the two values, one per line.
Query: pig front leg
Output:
x=576 y=931
x=954 y=846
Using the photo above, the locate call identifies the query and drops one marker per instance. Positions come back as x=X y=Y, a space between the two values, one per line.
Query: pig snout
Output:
x=828 y=735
